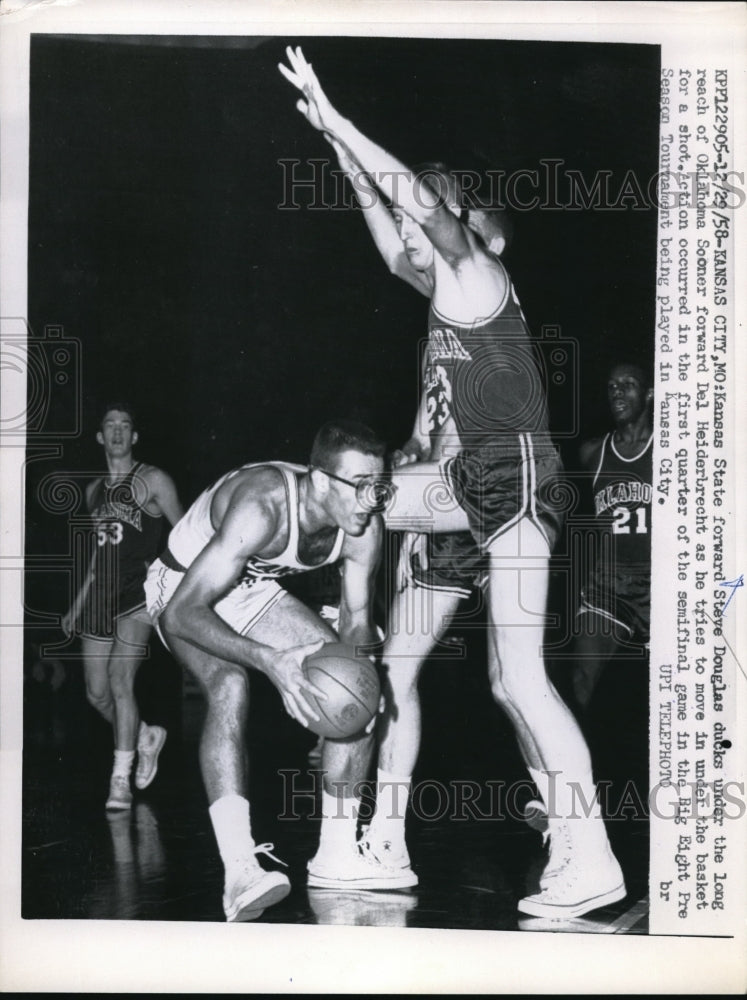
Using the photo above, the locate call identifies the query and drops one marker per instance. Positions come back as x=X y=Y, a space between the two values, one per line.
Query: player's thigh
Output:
x=210 y=671
x=290 y=623
x=418 y=619
x=597 y=640
x=131 y=643
x=519 y=567
x=517 y=598
x=424 y=501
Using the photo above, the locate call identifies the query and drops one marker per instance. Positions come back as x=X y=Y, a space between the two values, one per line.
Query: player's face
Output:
x=348 y=503
x=627 y=393
x=418 y=247
x=117 y=434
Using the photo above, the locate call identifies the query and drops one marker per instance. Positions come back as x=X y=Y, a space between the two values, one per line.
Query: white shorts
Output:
x=241 y=608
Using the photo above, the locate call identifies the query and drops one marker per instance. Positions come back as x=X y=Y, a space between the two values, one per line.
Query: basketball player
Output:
x=217 y=603
x=615 y=600
x=475 y=465
x=128 y=506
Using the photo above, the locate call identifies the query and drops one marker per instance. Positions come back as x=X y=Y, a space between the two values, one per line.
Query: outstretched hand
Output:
x=314 y=105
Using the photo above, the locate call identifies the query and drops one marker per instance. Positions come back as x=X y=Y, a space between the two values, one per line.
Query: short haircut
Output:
x=643 y=369
x=120 y=405
x=337 y=436
x=487 y=220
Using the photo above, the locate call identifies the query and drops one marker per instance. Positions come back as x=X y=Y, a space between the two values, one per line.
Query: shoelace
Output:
x=268 y=849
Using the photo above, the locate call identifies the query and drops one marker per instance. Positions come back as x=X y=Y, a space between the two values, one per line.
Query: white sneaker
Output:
x=120 y=793
x=557 y=837
x=581 y=885
x=251 y=890
x=361 y=868
x=150 y=741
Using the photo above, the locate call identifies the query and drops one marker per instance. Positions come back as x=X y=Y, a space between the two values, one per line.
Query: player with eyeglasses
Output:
x=474 y=474
x=216 y=598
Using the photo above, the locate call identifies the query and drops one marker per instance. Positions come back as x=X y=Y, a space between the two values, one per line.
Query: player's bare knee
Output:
x=98 y=699
x=399 y=681
x=230 y=686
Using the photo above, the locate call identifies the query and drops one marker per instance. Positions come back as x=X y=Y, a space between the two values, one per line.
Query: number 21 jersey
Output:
x=622 y=502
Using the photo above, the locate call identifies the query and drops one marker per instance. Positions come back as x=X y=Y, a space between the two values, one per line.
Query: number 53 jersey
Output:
x=127 y=540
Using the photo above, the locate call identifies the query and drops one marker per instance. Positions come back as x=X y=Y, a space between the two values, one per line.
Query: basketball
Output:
x=351 y=684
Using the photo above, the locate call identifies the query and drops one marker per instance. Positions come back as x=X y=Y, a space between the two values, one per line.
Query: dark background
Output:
x=235 y=328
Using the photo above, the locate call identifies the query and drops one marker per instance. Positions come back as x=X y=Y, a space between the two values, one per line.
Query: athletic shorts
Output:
x=621 y=596
x=453 y=564
x=104 y=606
x=241 y=608
x=498 y=486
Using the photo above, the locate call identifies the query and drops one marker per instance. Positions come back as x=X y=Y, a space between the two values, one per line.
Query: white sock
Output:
x=392 y=794
x=123 y=761
x=339 y=822
x=232 y=827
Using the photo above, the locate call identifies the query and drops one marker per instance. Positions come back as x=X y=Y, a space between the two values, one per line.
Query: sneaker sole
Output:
x=407 y=880
x=245 y=909
x=560 y=911
x=143 y=782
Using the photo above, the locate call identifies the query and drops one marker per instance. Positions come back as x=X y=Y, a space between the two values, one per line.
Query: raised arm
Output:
x=248 y=525
x=413 y=196
x=380 y=221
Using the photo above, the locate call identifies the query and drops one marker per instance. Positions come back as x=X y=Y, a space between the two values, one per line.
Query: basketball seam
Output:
x=343 y=686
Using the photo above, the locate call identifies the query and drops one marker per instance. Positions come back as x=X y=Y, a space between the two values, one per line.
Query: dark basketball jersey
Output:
x=486 y=376
x=622 y=502
x=123 y=528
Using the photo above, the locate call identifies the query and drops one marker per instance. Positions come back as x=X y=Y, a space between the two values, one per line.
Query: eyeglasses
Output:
x=374 y=493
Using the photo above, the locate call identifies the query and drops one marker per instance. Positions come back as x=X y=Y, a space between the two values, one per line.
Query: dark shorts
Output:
x=104 y=605
x=621 y=596
x=454 y=564
x=498 y=486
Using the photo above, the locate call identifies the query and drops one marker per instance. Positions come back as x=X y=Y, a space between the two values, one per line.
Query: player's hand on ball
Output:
x=288 y=677
x=316 y=108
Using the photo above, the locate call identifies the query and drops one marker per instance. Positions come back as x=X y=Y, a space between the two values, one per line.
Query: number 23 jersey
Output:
x=622 y=502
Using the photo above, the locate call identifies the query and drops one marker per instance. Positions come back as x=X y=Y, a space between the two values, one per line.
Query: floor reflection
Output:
x=160 y=862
